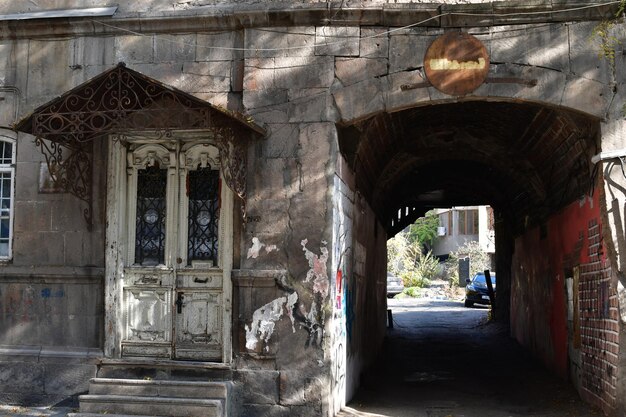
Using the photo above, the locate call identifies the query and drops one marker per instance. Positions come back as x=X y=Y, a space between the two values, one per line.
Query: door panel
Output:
x=199 y=325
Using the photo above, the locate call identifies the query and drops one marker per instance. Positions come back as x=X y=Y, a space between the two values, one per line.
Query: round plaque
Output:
x=456 y=63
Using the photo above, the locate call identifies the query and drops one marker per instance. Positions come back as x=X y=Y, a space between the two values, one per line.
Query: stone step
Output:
x=159 y=388
x=164 y=370
x=149 y=406
x=107 y=415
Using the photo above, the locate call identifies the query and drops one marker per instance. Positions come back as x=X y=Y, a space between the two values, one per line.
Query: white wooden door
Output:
x=176 y=282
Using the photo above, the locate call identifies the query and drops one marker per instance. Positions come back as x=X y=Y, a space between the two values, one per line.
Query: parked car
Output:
x=394 y=285
x=476 y=289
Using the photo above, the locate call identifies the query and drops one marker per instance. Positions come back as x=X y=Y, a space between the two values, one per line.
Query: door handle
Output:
x=179 y=302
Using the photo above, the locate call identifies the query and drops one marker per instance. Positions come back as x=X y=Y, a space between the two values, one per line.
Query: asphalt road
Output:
x=444 y=360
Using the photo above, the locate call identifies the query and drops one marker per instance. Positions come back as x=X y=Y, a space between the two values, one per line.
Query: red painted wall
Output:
x=538 y=295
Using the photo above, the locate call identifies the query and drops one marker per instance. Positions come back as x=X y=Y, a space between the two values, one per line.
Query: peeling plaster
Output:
x=318 y=272
x=257 y=246
x=264 y=320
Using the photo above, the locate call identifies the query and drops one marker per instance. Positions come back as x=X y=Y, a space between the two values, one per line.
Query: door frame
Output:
x=117 y=243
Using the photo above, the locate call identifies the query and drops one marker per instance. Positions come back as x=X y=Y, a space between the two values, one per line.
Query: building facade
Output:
x=199 y=193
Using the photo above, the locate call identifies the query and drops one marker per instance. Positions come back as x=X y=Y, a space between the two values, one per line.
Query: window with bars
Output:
x=150 y=221
x=7 y=174
x=203 y=216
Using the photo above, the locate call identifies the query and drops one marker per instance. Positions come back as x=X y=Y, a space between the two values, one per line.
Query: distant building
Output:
x=459 y=225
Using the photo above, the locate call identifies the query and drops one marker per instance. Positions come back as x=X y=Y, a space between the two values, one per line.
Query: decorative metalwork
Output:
x=203 y=216
x=234 y=157
x=70 y=169
x=120 y=101
x=150 y=222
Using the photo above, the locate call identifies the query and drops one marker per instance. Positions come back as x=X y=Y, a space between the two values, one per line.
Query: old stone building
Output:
x=196 y=195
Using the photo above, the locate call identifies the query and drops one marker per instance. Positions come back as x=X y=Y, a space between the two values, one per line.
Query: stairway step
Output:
x=154 y=406
x=159 y=388
x=164 y=370
x=107 y=415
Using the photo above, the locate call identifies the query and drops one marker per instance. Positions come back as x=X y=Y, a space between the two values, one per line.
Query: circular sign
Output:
x=456 y=63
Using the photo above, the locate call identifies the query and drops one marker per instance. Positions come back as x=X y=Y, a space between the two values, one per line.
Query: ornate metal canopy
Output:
x=121 y=101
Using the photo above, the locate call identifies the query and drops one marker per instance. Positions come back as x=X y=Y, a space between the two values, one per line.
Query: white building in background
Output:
x=459 y=225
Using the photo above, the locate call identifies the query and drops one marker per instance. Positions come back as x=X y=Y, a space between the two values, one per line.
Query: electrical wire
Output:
x=354 y=39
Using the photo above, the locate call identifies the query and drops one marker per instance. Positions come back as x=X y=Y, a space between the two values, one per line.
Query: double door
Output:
x=176 y=273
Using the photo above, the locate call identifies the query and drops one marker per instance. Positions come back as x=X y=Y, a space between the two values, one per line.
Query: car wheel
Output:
x=468 y=303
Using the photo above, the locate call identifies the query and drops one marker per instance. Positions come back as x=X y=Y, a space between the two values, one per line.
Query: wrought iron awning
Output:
x=121 y=101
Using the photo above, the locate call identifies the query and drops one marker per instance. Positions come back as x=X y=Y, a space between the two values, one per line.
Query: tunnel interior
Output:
x=530 y=162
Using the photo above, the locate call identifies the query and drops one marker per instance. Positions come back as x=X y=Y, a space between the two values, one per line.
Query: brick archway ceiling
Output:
x=525 y=159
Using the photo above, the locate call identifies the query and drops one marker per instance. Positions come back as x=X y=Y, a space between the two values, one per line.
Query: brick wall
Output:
x=599 y=325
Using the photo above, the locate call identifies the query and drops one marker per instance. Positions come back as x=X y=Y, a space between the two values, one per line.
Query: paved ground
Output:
x=443 y=360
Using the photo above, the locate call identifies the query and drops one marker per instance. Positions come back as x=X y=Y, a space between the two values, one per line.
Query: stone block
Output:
x=281 y=141
x=262 y=98
x=23 y=253
x=264 y=250
x=319 y=108
x=282 y=411
x=26 y=180
x=77 y=250
x=407 y=50
x=374 y=43
x=206 y=77
x=336 y=40
x=549 y=88
x=219 y=46
x=67 y=379
x=544 y=46
x=31 y=216
x=259 y=74
x=18 y=377
x=94 y=51
x=617 y=109
x=272 y=215
x=588 y=96
x=359 y=101
x=260 y=387
x=304 y=72
x=49 y=72
x=133 y=49
x=353 y=70
x=236 y=75
x=7 y=66
x=175 y=48
x=272 y=114
x=9 y=102
x=280 y=42
x=584 y=54
x=398 y=99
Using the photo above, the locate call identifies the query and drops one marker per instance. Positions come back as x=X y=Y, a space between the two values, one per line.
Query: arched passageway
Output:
x=532 y=164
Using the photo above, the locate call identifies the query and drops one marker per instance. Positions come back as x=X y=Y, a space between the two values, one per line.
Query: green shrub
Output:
x=413 y=291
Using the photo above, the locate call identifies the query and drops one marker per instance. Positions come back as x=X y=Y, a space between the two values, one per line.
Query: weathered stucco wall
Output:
x=569 y=247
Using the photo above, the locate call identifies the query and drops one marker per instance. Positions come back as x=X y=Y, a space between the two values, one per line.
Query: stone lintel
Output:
x=239 y=16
